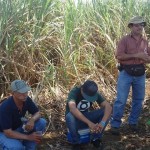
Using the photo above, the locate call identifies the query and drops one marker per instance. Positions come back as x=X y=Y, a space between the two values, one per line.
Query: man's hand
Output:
x=30 y=125
x=99 y=128
x=95 y=128
x=35 y=137
x=142 y=56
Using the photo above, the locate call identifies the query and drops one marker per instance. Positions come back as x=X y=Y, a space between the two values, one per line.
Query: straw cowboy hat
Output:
x=136 y=20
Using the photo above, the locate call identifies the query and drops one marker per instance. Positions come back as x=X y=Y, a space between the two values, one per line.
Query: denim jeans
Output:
x=74 y=124
x=15 y=144
x=125 y=81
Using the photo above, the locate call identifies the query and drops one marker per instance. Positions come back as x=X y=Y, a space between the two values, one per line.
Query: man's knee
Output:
x=12 y=145
x=70 y=116
x=41 y=124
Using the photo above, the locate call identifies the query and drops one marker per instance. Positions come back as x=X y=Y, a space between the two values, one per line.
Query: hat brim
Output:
x=24 y=90
x=90 y=98
x=137 y=22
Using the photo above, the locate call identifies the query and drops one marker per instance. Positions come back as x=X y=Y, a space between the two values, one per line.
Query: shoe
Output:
x=97 y=143
x=133 y=127
x=115 y=131
x=76 y=147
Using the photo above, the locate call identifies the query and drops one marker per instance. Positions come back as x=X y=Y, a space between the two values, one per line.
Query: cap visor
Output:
x=90 y=98
x=24 y=90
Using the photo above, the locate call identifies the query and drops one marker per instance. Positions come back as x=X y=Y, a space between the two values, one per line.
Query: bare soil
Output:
x=55 y=137
x=56 y=140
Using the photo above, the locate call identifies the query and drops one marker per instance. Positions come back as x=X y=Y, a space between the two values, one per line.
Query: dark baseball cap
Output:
x=20 y=86
x=90 y=90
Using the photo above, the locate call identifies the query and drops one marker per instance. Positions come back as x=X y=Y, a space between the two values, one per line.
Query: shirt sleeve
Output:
x=31 y=106
x=6 y=119
x=72 y=96
x=121 y=47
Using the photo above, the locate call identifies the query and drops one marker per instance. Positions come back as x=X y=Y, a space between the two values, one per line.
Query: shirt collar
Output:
x=142 y=37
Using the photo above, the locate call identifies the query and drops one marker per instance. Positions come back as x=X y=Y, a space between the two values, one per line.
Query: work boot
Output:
x=97 y=143
x=133 y=127
x=76 y=147
x=115 y=131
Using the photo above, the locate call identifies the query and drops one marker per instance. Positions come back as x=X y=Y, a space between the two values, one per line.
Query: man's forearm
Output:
x=80 y=116
x=36 y=116
x=126 y=56
x=141 y=55
x=16 y=135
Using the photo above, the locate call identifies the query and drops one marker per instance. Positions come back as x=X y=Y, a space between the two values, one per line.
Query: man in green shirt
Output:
x=80 y=116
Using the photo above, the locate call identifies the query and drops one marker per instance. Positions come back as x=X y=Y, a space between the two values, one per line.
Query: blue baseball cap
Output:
x=90 y=91
x=20 y=86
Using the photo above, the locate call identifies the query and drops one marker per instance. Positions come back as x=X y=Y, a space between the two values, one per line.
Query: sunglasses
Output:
x=139 y=24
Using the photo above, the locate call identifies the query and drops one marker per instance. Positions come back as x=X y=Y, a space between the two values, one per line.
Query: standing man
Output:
x=16 y=131
x=132 y=54
x=78 y=115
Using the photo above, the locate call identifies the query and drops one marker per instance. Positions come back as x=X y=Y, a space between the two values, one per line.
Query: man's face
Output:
x=20 y=96
x=137 y=29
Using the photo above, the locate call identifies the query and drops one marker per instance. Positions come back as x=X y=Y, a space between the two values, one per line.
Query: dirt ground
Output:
x=56 y=140
x=55 y=137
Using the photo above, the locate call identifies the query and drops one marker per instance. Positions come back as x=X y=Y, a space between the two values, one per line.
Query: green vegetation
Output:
x=52 y=43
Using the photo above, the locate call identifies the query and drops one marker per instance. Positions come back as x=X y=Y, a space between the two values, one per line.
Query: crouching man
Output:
x=16 y=131
x=79 y=116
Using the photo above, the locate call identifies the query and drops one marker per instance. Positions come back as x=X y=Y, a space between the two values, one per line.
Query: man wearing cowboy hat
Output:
x=132 y=53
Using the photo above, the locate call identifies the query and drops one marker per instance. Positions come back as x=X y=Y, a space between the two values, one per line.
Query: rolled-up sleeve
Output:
x=121 y=47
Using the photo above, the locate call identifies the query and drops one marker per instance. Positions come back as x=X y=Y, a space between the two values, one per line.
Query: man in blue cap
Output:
x=16 y=131
x=78 y=116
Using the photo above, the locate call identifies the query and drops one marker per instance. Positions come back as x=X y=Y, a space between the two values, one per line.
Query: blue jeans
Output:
x=15 y=144
x=74 y=124
x=125 y=81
